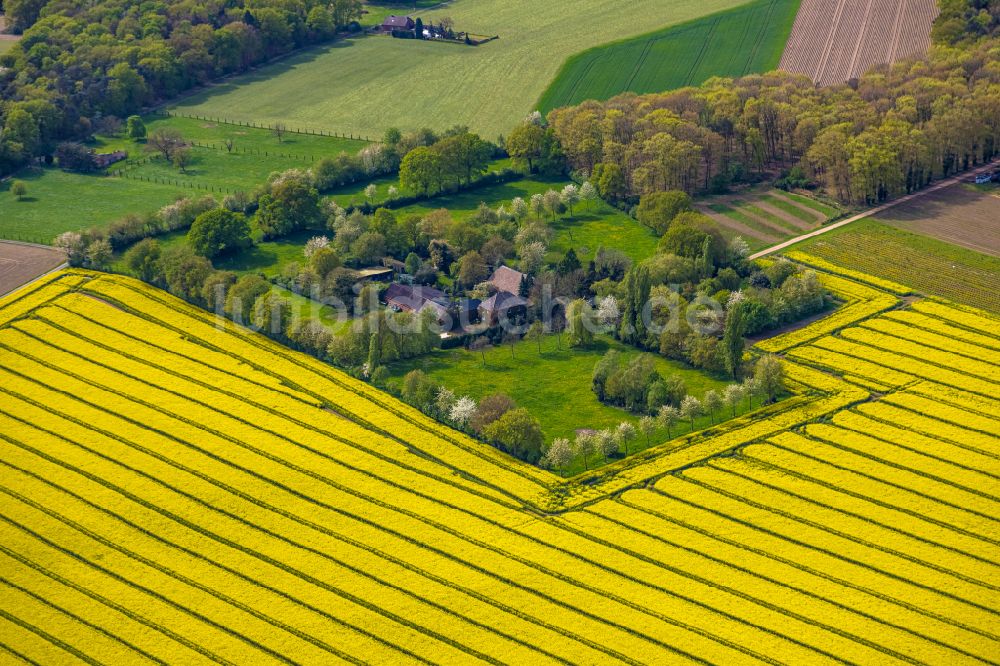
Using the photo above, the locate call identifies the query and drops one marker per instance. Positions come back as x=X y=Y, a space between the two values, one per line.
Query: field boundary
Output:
x=947 y=182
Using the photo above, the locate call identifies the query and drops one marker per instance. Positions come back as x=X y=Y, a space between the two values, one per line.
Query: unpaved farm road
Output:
x=948 y=182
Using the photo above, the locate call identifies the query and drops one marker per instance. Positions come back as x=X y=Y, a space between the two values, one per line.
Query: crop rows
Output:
x=175 y=489
x=832 y=42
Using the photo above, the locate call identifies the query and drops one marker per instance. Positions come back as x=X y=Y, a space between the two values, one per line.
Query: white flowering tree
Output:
x=608 y=313
x=732 y=396
x=570 y=196
x=370 y=192
x=462 y=410
x=519 y=208
x=625 y=433
x=315 y=243
x=559 y=455
x=444 y=400
x=588 y=193
x=667 y=417
x=532 y=257
x=537 y=205
x=712 y=402
x=691 y=408
x=739 y=247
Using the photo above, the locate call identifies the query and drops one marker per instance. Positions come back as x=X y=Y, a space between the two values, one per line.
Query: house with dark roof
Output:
x=503 y=305
x=397 y=23
x=406 y=298
x=505 y=278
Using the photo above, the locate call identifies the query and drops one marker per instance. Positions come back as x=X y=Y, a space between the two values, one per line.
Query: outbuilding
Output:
x=395 y=23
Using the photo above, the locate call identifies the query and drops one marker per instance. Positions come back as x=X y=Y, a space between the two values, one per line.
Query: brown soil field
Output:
x=21 y=263
x=960 y=214
x=833 y=41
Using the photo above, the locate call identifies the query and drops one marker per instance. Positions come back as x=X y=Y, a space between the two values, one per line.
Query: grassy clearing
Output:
x=304 y=147
x=738 y=41
x=926 y=264
x=592 y=225
x=58 y=201
x=6 y=45
x=553 y=385
x=366 y=84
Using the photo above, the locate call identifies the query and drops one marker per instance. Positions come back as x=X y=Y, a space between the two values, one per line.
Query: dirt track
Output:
x=833 y=41
x=21 y=263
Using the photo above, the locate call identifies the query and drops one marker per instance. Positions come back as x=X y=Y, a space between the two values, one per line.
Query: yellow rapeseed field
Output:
x=175 y=489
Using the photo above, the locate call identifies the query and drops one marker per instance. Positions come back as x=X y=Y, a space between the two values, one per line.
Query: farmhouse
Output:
x=404 y=298
x=507 y=279
x=502 y=305
x=393 y=23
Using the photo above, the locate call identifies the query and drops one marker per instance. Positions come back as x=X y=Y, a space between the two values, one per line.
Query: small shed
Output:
x=393 y=23
x=104 y=160
x=374 y=274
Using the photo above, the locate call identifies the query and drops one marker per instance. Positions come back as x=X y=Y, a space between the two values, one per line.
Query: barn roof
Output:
x=502 y=300
x=394 y=21
x=507 y=279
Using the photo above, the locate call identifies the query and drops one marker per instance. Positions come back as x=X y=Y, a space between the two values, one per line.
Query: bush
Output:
x=518 y=433
x=219 y=231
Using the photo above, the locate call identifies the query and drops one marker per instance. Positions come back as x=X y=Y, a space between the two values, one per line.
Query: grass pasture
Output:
x=743 y=40
x=592 y=225
x=363 y=85
x=553 y=385
x=60 y=201
x=180 y=490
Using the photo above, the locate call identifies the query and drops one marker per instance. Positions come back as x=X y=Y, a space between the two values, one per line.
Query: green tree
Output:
x=687 y=234
x=345 y=11
x=658 y=209
x=472 y=269
x=732 y=339
x=143 y=259
x=135 y=129
x=769 y=376
x=271 y=314
x=526 y=144
x=518 y=433
x=578 y=330
x=291 y=204
x=99 y=253
x=219 y=231
x=421 y=170
x=638 y=285
x=19 y=189
x=126 y=89
x=242 y=296
x=21 y=128
x=464 y=155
